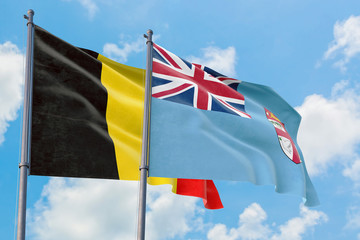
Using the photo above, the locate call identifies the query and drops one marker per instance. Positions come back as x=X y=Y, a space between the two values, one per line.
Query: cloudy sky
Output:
x=308 y=51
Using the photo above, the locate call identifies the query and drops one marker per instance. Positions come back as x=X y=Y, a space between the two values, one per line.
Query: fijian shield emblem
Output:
x=286 y=143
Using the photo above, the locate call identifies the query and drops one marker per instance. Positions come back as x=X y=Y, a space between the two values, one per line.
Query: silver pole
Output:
x=26 y=131
x=145 y=139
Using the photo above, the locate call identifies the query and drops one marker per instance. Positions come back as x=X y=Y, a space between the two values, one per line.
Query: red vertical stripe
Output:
x=204 y=189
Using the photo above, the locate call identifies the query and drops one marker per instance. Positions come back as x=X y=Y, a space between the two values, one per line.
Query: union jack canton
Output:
x=177 y=80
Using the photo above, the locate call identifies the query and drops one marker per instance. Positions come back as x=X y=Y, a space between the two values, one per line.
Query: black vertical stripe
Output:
x=69 y=130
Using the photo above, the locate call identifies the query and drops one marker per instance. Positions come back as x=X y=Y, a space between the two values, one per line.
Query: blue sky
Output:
x=308 y=51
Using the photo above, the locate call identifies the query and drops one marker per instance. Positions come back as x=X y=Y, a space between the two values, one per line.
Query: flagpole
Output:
x=26 y=129
x=144 y=168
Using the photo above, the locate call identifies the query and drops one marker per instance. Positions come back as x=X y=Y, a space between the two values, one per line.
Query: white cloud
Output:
x=251 y=223
x=113 y=51
x=85 y=209
x=353 y=218
x=353 y=172
x=298 y=226
x=330 y=128
x=220 y=232
x=103 y=209
x=346 y=41
x=221 y=60
x=252 y=226
x=11 y=82
x=90 y=6
x=170 y=215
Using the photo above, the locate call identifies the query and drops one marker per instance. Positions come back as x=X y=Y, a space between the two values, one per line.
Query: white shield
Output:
x=286 y=146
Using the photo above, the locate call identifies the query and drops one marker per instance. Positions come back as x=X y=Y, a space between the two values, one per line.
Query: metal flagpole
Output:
x=144 y=168
x=26 y=131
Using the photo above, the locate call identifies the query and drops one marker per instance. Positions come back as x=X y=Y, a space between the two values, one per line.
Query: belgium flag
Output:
x=87 y=118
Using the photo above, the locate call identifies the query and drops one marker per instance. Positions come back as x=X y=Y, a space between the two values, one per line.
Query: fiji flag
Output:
x=205 y=125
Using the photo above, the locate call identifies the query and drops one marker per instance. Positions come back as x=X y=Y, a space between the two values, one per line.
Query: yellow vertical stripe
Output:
x=124 y=114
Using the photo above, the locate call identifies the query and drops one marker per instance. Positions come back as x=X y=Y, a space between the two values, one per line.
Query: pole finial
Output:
x=31 y=12
x=30 y=16
x=149 y=36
